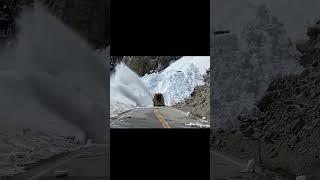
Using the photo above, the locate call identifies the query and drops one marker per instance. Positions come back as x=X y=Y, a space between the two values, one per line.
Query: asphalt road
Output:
x=90 y=162
x=223 y=167
x=153 y=117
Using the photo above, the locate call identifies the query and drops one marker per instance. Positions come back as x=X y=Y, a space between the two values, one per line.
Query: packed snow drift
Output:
x=176 y=83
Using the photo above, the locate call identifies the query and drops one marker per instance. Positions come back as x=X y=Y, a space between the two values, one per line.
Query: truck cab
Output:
x=158 y=100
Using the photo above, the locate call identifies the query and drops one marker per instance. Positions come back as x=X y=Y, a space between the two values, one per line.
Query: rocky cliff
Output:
x=145 y=64
x=89 y=18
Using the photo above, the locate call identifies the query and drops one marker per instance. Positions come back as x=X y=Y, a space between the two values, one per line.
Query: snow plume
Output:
x=63 y=78
x=127 y=90
x=52 y=87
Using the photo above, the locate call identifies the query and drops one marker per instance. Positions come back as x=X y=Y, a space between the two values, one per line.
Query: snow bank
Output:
x=27 y=147
x=177 y=81
x=199 y=124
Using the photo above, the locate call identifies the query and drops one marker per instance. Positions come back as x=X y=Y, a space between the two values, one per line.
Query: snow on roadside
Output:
x=119 y=107
x=27 y=147
x=177 y=81
x=118 y=102
x=199 y=124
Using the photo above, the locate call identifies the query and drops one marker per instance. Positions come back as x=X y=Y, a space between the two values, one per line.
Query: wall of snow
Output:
x=177 y=81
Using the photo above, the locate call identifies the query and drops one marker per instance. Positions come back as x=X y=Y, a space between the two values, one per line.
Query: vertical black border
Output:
x=160 y=28
x=160 y=154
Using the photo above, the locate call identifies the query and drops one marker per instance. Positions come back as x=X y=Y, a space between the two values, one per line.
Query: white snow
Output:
x=176 y=82
x=127 y=91
x=205 y=124
x=25 y=148
x=202 y=63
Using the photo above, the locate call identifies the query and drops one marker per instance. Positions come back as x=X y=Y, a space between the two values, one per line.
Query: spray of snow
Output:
x=52 y=92
x=205 y=124
x=127 y=91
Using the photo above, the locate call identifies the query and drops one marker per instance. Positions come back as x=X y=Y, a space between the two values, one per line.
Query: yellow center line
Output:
x=164 y=123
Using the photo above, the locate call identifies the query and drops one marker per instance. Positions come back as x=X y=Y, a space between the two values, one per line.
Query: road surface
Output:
x=90 y=162
x=224 y=168
x=155 y=117
x=229 y=168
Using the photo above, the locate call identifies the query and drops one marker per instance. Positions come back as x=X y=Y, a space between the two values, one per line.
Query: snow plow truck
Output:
x=158 y=100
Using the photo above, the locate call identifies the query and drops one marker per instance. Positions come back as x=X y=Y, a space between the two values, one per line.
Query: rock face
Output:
x=199 y=102
x=89 y=18
x=288 y=123
x=145 y=64
x=9 y=10
x=57 y=7
x=311 y=45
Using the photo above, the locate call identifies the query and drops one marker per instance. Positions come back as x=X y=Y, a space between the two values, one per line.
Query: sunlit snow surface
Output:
x=176 y=83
